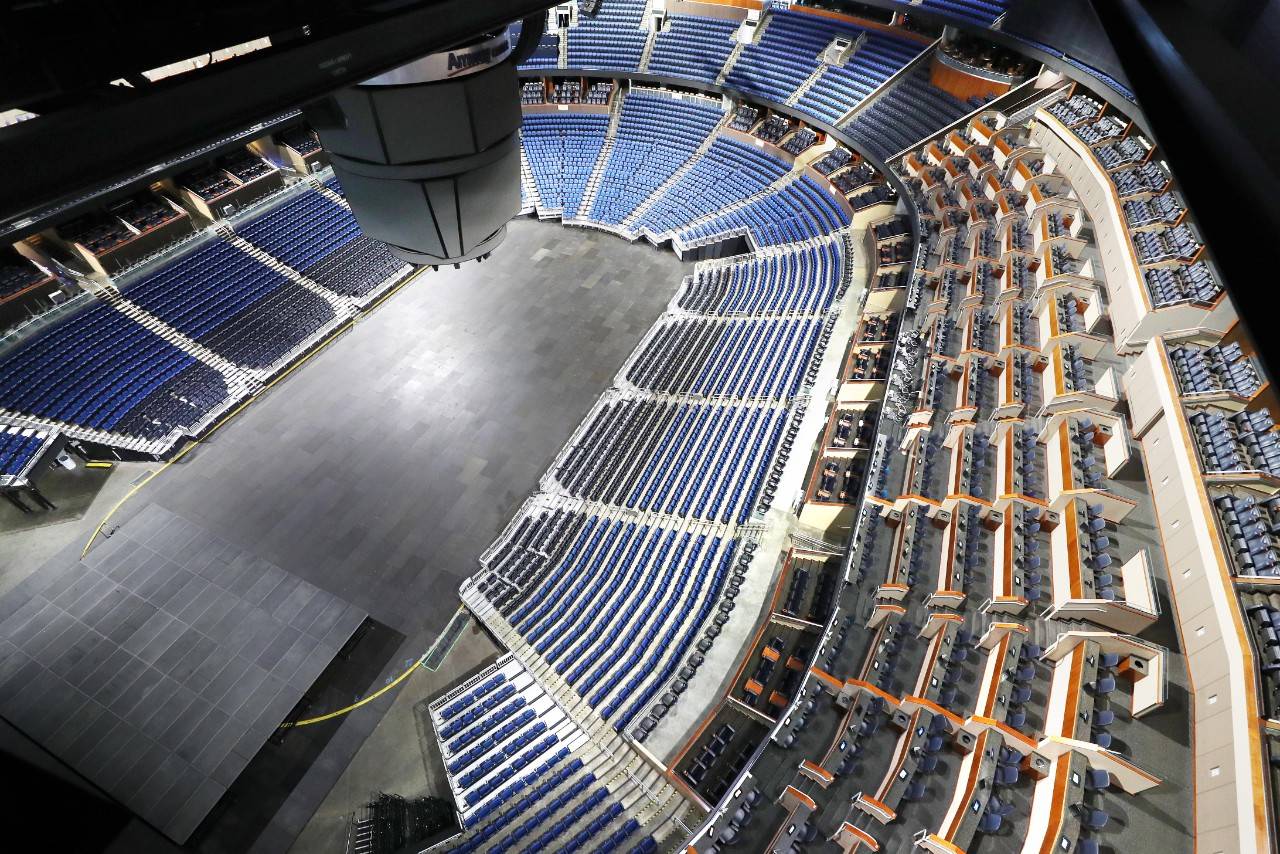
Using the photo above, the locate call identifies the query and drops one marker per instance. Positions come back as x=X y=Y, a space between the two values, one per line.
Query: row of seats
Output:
x=733 y=358
x=1204 y=370
x=1123 y=152
x=302 y=231
x=232 y=303
x=18 y=448
x=245 y=166
x=1164 y=209
x=1263 y=610
x=144 y=211
x=101 y=370
x=728 y=172
x=1076 y=110
x=1185 y=282
x=801 y=141
x=1178 y=243
x=692 y=47
x=1251 y=528
x=618 y=612
x=1149 y=177
x=301 y=139
x=609 y=39
x=98 y=233
x=356 y=269
x=692 y=460
x=906 y=113
x=799 y=211
x=841 y=88
x=980 y=11
x=523 y=556
x=207 y=183
x=533 y=92
x=656 y=135
x=562 y=149
x=802 y=281
x=744 y=118
x=1243 y=441
x=17 y=273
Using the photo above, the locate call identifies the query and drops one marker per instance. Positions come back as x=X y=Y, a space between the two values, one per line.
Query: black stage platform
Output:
x=160 y=665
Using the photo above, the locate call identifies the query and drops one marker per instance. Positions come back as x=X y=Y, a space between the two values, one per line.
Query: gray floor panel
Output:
x=122 y=665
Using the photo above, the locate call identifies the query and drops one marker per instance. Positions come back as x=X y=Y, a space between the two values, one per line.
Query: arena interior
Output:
x=640 y=426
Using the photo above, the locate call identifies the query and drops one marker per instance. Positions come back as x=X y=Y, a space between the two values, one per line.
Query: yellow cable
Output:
x=232 y=414
x=334 y=337
x=376 y=694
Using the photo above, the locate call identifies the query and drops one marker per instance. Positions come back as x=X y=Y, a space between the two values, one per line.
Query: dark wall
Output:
x=1069 y=25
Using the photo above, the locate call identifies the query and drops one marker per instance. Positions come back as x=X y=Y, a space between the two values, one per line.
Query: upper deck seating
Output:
x=910 y=110
x=796 y=212
x=841 y=88
x=693 y=47
x=656 y=136
x=729 y=171
x=610 y=38
x=562 y=150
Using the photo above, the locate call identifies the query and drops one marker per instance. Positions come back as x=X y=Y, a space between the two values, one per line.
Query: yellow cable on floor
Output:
x=358 y=703
x=233 y=413
x=384 y=689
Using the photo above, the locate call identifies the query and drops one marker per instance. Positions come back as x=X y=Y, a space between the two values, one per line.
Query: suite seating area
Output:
x=18 y=274
x=929 y=720
x=1217 y=368
x=1243 y=441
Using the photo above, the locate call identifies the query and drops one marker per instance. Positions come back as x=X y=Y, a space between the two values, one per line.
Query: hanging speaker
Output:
x=429 y=153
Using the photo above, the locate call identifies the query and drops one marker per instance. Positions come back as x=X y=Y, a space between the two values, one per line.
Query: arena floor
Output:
x=383 y=467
